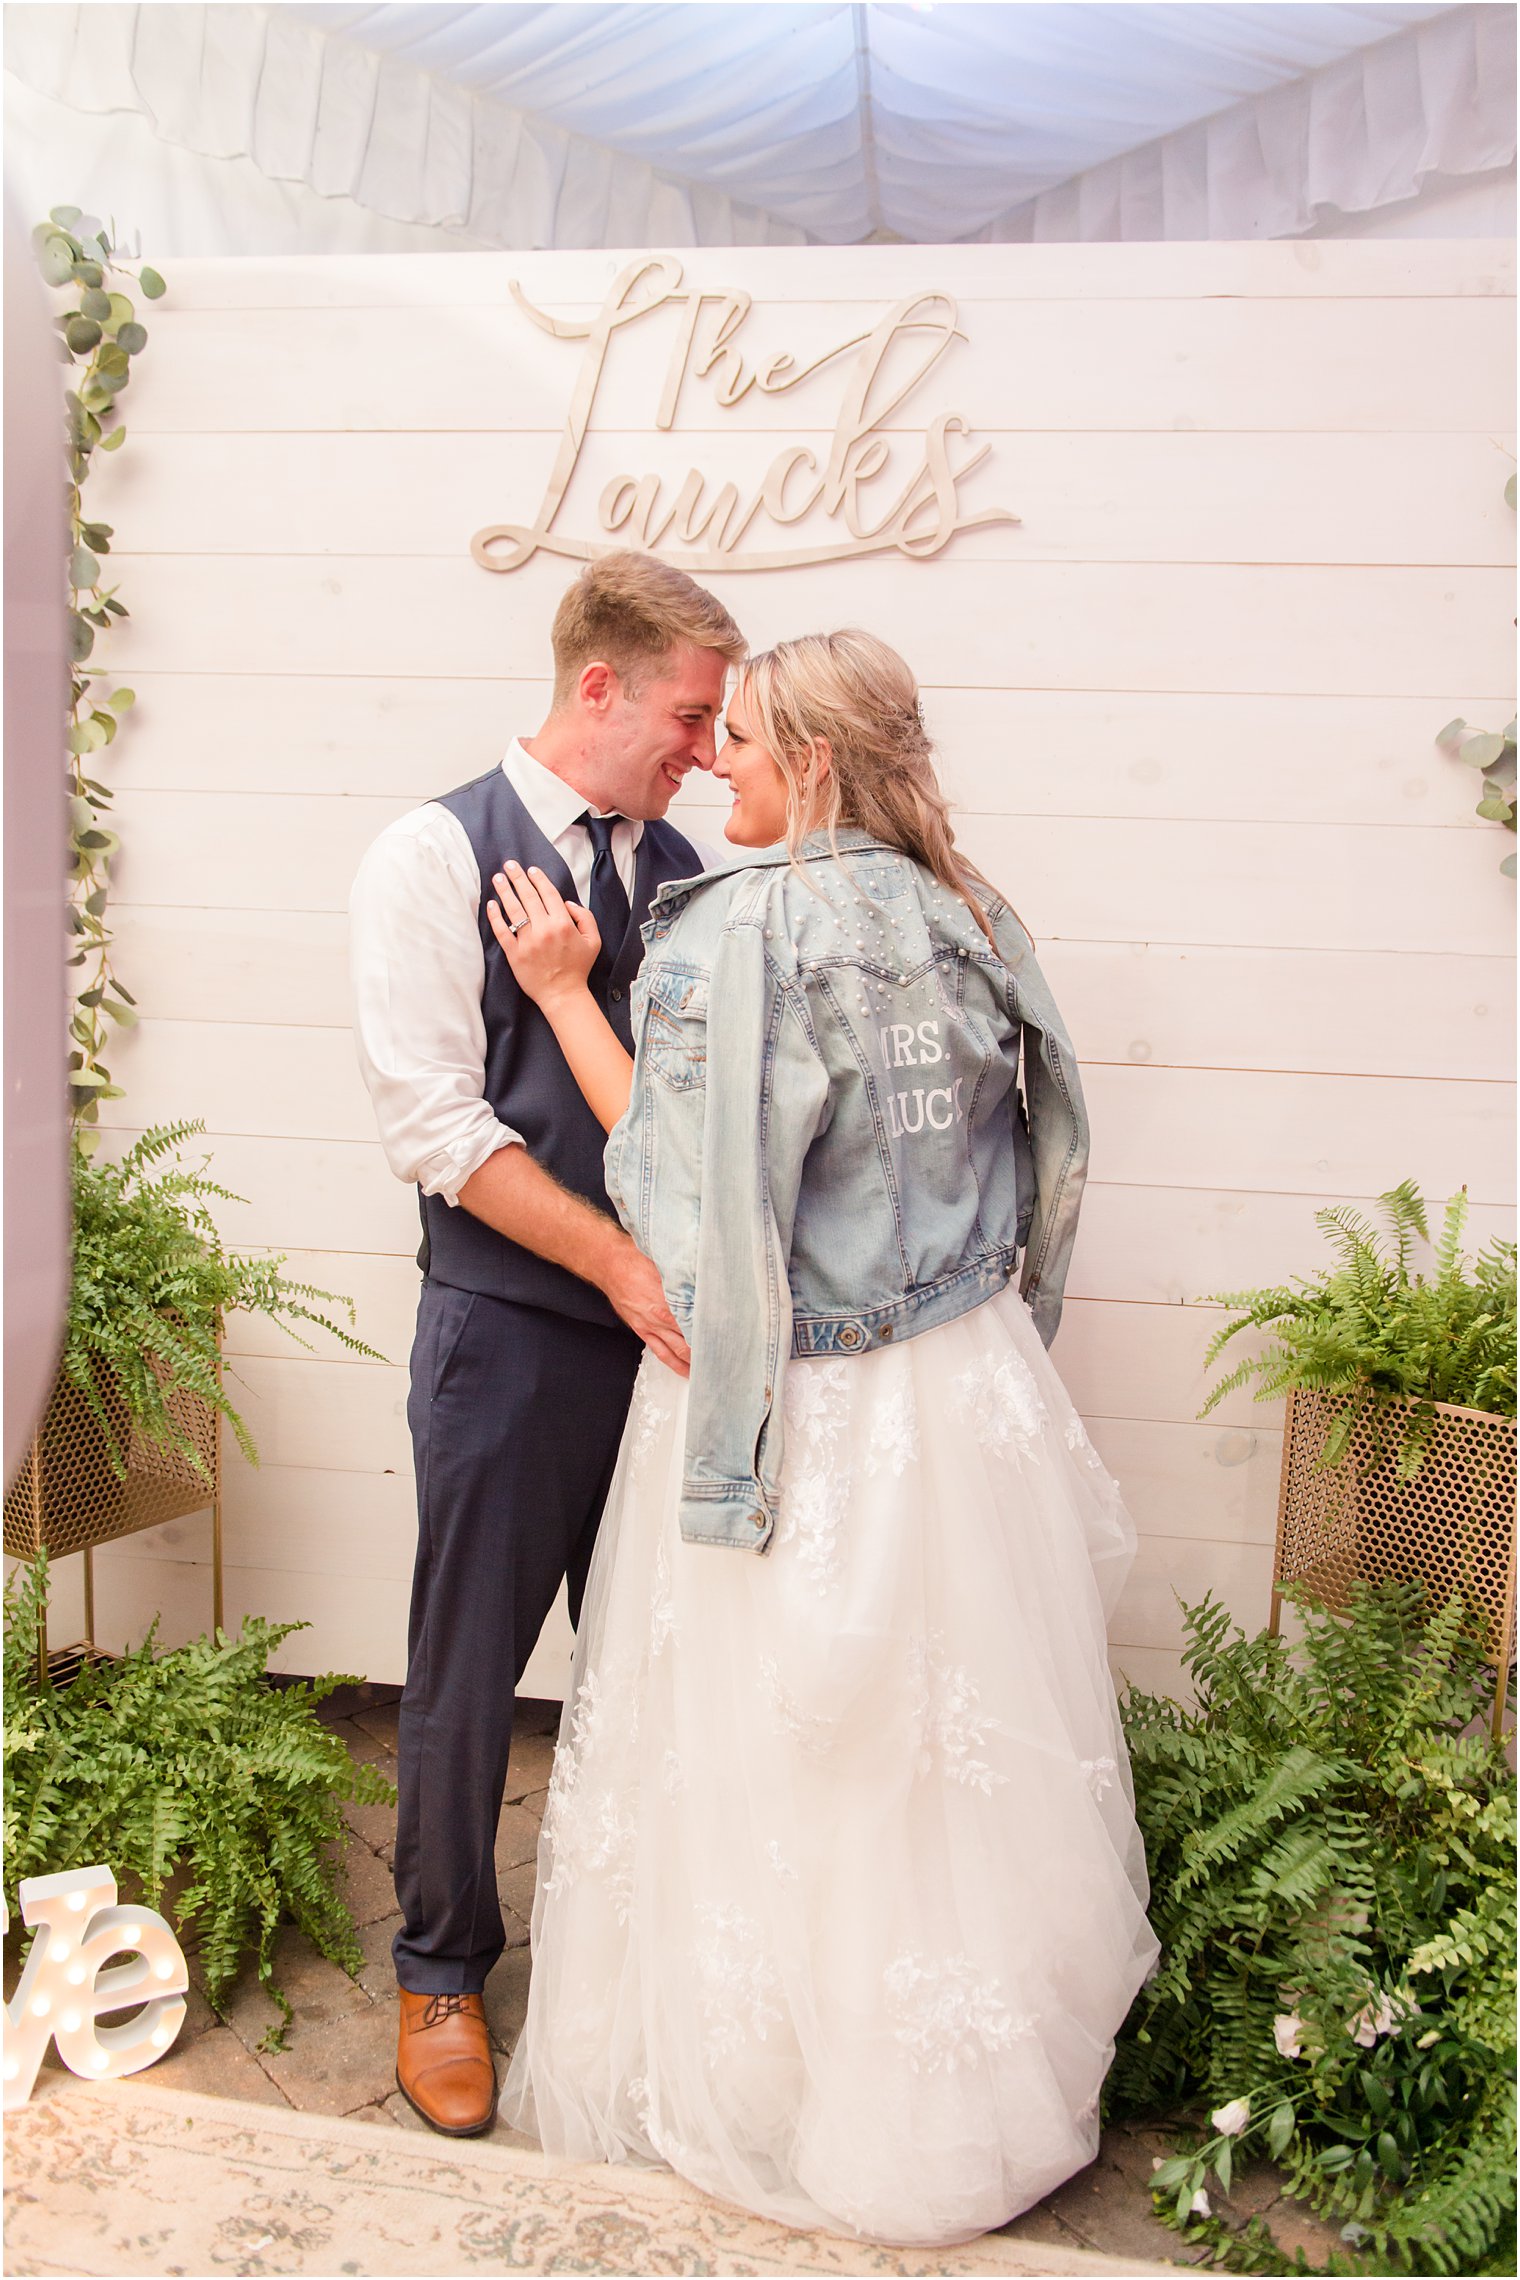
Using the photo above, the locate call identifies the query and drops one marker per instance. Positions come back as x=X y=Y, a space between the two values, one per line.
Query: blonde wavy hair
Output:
x=853 y=692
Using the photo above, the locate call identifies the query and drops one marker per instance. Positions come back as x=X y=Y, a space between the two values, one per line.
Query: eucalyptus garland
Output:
x=1492 y=750
x=99 y=334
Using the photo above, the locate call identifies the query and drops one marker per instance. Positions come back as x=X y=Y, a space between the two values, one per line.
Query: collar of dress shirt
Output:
x=553 y=804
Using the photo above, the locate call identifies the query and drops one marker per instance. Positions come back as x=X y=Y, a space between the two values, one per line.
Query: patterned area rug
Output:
x=118 y=2178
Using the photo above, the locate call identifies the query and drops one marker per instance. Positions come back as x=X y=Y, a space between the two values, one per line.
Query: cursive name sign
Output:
x=707 y=526
x=67 y=1986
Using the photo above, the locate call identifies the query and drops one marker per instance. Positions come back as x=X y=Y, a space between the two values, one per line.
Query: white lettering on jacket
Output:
x=909 y=1111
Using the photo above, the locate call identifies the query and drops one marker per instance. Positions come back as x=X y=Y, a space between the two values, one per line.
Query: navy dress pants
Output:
x=516 y=1415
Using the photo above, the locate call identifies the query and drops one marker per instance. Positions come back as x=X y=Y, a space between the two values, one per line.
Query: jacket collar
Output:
x=817 y=847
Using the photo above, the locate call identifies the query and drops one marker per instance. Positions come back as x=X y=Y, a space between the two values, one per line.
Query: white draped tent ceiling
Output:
x=575 y=124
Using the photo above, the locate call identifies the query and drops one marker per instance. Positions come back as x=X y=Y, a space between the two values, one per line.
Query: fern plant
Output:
x=191 y=1759
x=151 y=1283
x=1381 y=1334
x=1330 y=1835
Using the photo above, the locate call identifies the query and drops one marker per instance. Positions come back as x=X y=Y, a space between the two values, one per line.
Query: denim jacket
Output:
x=848 y=1118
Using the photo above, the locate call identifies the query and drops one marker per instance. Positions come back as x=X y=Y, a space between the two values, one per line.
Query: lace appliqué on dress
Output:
x=999 y=1399
x=590 y=1827
x=814 y=1484
x=648 y=1415
x=951 y=1726
x=946 y=2015
x=662 y=1607
x=1079 y=1444
x=893 y=1421
x=736 y=1981
x=809 y=1729
x=1101 y=1774
x=782 y=1868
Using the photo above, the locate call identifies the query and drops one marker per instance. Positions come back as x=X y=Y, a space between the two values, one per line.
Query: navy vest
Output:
x=526 y=1080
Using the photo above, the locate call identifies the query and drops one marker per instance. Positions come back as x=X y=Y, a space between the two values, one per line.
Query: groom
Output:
x=535 y=1305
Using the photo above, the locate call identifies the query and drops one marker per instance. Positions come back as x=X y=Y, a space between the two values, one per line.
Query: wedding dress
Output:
x=841 y=1898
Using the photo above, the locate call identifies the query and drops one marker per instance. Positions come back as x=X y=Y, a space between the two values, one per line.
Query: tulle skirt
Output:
x=841 y=1898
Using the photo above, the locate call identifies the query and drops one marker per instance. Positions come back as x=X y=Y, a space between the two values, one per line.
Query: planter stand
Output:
x=1452 y=1526
x=66 y=1498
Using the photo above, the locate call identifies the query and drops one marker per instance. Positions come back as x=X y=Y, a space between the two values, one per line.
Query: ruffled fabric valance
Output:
x=781 y=125
x=351 y=121
x=1366 y=131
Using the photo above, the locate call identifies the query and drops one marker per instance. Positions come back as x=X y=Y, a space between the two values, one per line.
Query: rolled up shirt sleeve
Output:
x=418 y=969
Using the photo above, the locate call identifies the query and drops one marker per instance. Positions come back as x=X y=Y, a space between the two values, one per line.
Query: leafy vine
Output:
x=1492 y=750
x=99 y=336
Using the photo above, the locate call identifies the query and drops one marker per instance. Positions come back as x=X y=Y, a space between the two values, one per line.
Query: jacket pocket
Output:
x=674 y=1043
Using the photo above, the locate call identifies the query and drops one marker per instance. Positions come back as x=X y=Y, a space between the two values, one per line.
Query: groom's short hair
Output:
x=629 y=611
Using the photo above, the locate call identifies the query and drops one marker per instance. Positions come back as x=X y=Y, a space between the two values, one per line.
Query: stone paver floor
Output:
x=340 y=2047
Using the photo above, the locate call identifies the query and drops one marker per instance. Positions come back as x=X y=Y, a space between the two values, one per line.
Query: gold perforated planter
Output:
x=1452 y=1526
x=67 y=1496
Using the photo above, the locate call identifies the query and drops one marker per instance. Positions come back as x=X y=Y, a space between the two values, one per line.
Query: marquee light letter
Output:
x=66 y=1987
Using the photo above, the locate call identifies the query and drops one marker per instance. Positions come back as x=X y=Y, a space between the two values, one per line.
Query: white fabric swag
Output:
x=350 y=122
x=784 y=124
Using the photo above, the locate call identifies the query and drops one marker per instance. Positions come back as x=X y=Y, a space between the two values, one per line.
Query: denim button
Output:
x=758 y=1518
x=886 y=1330
x=849 y=1335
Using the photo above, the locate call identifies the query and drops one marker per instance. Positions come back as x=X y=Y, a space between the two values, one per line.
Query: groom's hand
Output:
x=514 y=1194
x=635 y=1291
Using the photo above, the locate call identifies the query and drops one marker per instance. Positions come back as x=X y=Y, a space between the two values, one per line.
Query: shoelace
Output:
x=442 y=2007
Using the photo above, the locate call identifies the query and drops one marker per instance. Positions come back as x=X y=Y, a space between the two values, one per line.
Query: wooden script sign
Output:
x=913 y=511
x=67 y=1986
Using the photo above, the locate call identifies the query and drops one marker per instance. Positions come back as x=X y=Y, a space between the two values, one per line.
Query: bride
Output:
x=841 y=1899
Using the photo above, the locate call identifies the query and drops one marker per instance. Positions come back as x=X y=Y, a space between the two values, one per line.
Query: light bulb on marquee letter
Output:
x=68 y=1960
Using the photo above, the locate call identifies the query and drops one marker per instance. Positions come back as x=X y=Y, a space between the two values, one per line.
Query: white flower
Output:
x=1199 y=2204
x=1287 y=2031
x=1230 y=2120
x=1376 y=2018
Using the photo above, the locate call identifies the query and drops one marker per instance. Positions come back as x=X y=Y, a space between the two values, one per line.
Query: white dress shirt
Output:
x=418 y=970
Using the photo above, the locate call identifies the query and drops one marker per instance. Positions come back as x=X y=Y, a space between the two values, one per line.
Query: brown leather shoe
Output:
x=444 y=2069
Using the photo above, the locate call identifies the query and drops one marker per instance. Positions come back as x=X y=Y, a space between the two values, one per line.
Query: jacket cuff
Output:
x=726 y=1512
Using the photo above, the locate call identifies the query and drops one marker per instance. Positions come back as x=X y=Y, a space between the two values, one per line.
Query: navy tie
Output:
x=608 y=902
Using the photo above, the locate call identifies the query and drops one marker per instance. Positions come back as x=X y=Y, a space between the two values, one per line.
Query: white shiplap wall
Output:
x=1186 y=706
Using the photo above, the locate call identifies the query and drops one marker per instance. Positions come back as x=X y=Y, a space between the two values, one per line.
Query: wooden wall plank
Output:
x=1073 y=364
x=1024 y=752
x=1081 y=878
x=1290 y=270
x=1298 y=1134
x=1171 y=1570
x=1157 y=1246
x=1219 y=628
x=1156 y=497
x=353 y=1624
x=1154 y=1003
x=1165 y=1127
x=1174 y=1246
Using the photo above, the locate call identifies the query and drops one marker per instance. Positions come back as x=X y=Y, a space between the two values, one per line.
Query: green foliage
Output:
x=151 y=1283
x=1492 y=750
x=99 y=335
x=189 y=1759
x=1376 y=1331
x=1330 y=1836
